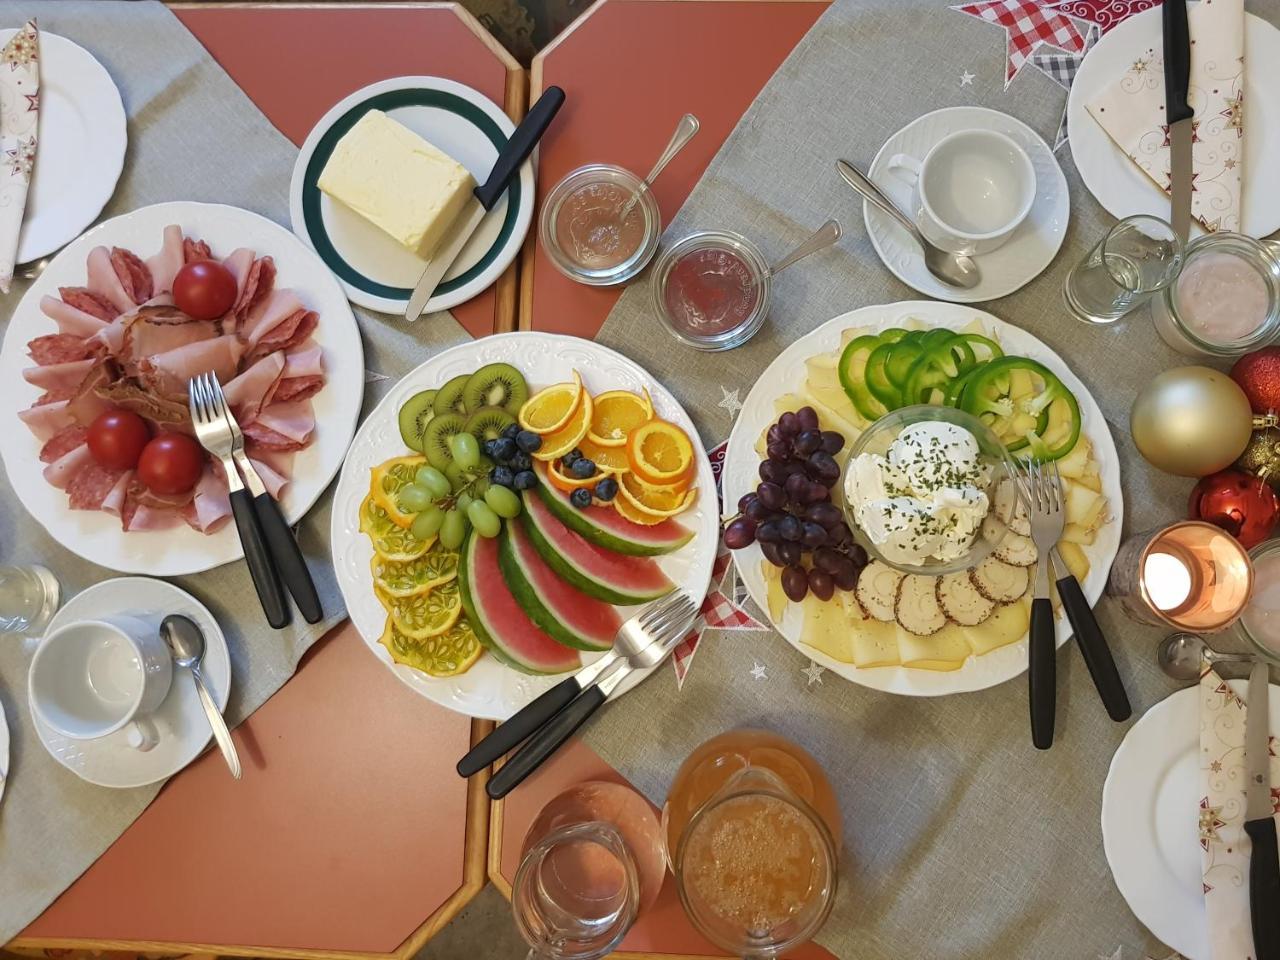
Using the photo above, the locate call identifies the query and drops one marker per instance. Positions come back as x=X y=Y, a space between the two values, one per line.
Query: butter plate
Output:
x=376 y=271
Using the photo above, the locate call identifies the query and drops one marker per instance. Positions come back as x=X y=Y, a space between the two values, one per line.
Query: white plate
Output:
x=180 y=721
x=783 y=376
x=376 y=271
x=1032 y=246
x=489 y=689
x=4 y=752
x=1118 y=184
x=1150 y=820
x=81 y=116
x=97 y=536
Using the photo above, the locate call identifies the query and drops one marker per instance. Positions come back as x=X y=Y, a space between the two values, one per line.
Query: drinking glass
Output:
x=753 y=834
x=28 y=599
x=1138 y=258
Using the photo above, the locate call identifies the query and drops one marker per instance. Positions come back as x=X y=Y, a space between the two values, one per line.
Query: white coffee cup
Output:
x=90 y=678
x=972 y=190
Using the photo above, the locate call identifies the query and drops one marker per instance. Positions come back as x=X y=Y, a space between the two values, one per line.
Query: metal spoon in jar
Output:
x=953 y=269
x=1179 y=656
x=820 y=239
x=185 y=641
x=685 y=130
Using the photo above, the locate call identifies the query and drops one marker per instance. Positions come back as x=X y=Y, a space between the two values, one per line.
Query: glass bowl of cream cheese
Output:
x=919 y=487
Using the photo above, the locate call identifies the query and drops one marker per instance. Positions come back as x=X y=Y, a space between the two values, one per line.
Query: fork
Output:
x=215 y=435
x=643 y=642
x=1044 y=503
x=281 y=543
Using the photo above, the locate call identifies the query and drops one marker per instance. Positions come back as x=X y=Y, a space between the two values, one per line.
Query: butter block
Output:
x=408 y=188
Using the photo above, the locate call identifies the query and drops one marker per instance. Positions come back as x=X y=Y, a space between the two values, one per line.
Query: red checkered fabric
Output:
x=1027 y=24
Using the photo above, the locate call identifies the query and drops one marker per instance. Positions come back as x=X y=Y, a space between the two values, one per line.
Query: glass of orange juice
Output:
x=752 y=833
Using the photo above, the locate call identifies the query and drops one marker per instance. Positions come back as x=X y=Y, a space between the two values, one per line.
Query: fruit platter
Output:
x=911 y=600
x=507 y=505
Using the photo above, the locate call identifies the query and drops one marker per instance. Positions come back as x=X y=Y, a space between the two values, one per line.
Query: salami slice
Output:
x=62 y=348
x=195 y=250
x=287 y=334
x=90 y=487
x=257 y=285
x=134 y=275
x=82 y=298
x=298 y=388
x=259 y=437
x=64 y=441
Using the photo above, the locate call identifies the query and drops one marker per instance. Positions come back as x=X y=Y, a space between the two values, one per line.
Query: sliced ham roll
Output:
x=47 y=419
x=62 y=471
x=195 y=250
x=211 y=504
x=167 y=373
x=103 y=281
x=253 y=388
x=86 y=301
x=287 y=335
x=91 y=486
x=272 y=311
x=64 y=441
x=258 y=284
x=294 y=420
x=113 y=502
x=59 y=378
x=273 y=481
x=306 y=360
x=151 y=329
x=70 y=319
x=133 y=273
x=164 y=266
x=138 y=516
x=63 y=348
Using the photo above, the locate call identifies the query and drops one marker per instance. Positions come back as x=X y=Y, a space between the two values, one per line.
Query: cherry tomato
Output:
x=170 y=464
x=116 y=439
x=204 y=289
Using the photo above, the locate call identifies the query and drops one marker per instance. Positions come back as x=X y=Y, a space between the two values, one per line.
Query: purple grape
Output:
x=822 y=585
x=789 y=424
x=810 y=441
x=825 y=513
x=832 y=442
x=775 y=435
x=808 y=418
x=757 y=511
x=745 y=501
x=797 y=488
x=814 y=535
x=740 y=533
x=790 y=467
x=790 y=528
x=823 y=467
x=769 y=532
x=773 y=471
x=770 y=551
x=841 y=535
x=829 y=559
x=771 y=495
x=846 y=578
x=857 y=554
x=780 y=450
x=789 y=552
x=794 y=584
x=818 y=492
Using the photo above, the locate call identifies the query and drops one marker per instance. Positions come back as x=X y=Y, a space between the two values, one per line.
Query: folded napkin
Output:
x=1225 y=847
x=1131 y=111
x=19 y=118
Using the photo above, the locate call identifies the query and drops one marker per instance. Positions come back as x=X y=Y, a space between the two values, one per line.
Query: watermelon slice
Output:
x=595 y=571
x=607 y=528
x=498 y=621
x=563 y=613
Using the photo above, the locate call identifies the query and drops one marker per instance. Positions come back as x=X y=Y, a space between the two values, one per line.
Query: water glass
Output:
x=1139 y=257
x=28 y=599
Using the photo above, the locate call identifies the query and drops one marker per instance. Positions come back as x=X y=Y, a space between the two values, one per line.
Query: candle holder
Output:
x=1192 y=576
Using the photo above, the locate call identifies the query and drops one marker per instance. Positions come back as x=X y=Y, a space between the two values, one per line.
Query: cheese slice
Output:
x=386 y=173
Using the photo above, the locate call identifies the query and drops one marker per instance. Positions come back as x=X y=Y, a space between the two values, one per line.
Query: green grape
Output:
x=433 y=480
x=463 y=503
x=453 y=530
x=414 y=499
x=484 y=519
x=427 y=524
x=502 y=501
x=466 y=451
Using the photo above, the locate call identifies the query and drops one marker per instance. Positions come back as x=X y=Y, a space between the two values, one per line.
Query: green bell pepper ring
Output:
x=852 y=371
x=877 y=376
x=972 y=340
x=986 y=396
x=951 y=397
x=898 y=365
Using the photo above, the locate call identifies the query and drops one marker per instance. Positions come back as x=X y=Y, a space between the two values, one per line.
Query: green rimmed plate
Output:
x=375 y=271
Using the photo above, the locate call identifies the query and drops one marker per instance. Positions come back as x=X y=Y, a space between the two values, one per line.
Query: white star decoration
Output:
x=371 y=377
x=814 y=672
x=730 y=401
x=758 y=671
x=966 y=79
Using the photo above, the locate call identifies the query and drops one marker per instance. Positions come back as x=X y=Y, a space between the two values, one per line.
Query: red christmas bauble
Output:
x=1238 y=502
x=1258 y=374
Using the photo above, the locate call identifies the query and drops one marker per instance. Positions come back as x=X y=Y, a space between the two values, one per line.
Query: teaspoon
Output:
x=820 y=239
x=185 y=641
x=953 y=269
x=1179 y=656
x=684 y=132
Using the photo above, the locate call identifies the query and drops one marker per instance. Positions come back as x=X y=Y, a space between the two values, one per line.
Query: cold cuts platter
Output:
x=110 y=328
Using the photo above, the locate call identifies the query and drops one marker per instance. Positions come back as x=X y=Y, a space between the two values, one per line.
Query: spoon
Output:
x=820 y=239
x=1179 y=656
x=953 y=269
x=186 y=644
x=684 y=132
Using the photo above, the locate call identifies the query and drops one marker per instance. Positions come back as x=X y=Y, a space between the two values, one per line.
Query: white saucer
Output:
x=4 y=752
x=1121 y=187
x=81 y=116
x=1026 y=254
x=1150 y=820
x=183 y=728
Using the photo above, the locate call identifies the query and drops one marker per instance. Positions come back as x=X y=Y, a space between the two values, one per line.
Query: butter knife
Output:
x=1178 y=113
x=1260 y=824
x=485 y=196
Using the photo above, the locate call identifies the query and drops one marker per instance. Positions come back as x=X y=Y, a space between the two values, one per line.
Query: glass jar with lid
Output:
x=1226 y=300
x=711 y=289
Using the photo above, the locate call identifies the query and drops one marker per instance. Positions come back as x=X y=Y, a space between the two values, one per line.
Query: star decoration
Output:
x=1235 y=114
x=1216 y=766
x=730 y=401
x=23 y=49
x=1141 y=65
x=33 y=101
x=1027 y=27
x=758 y=671
x=966 y=79
x=1061 y=68
x=1168 y=188
x=1118 y=955
x=1168 y=133
x=814 y=672
x=1275 y=799
x=371 y=376
x=1230 y=163
x=1210 y=821
x=21 y=160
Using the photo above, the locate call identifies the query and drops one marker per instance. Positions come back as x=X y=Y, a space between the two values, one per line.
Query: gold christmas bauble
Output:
x=1191 y=421
x=1261 y=456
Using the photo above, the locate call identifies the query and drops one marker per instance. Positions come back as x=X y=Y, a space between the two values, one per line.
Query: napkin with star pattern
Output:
x=19 y=129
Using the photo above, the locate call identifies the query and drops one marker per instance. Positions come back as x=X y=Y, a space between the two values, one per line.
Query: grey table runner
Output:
x=193 y=135
x=961 y=840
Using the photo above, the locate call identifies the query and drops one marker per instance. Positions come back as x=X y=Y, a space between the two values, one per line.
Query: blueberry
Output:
x=606 y=489
x=526 y=480
x=570 y=458
x=511 y=432
x=580 y=498
x=583 y=468
x=489 y=446
x=504 y=448
x=520 y=461
x=502 y=476
x=528 y=441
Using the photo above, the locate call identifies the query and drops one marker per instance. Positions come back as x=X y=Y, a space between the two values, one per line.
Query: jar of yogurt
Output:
x=1226 y=300
x=1260 y=622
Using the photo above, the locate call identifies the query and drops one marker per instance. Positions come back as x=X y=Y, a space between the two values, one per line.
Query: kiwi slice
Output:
x=487 y=423
x=496 y=385
x=415 y=414
x=435 y=439
x=449 y=397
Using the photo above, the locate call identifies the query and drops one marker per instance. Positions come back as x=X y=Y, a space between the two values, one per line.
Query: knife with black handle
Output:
x=1178 y=113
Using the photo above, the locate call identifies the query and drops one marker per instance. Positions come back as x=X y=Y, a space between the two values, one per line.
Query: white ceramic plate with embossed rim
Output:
x=490 y=690
x=740 y=476
x=4 y=751
x=1019 y=261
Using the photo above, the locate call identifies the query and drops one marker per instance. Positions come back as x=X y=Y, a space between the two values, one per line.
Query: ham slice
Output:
x=60 y=379
x=293 y=420
x=253 y=388
x=133 y=273
x=62 y=348
x=287 y=334
x=62 y=471
x=273 y=310
x=71 y=319
x=47 y=419
x=298 y=388
x=138 y=516
x=164 y=266
x=211 y=504
x=91 y=486
x=152 y=329
x=85 y=300
x=113 y=502
x=273 y=481
x=304 y=361
x=103 y=281
x=64 y=441
x=261 y=440
x=167 y=373
x=195 y=250
x=130 y=395
x=257 y=286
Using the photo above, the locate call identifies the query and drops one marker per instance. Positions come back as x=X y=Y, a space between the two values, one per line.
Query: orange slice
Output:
x=618 y=412
x=661 y=453
x=654 y=501
x=613 y=459
x=560 y=442
x=564 y=480
x=552 y=409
